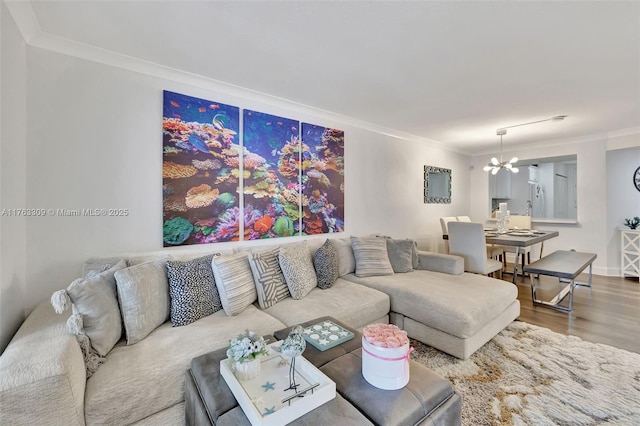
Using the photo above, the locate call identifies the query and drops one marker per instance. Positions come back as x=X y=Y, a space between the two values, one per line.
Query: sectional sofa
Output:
x=43 y=378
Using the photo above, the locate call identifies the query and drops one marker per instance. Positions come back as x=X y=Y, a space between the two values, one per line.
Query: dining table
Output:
x=518 y=238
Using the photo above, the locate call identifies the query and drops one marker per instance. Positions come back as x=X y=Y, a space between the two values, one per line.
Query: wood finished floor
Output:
x=608 y=312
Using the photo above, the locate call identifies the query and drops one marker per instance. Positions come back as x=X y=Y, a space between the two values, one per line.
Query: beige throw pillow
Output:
x=95 y=300
x=297 y=268
x=143 y=292
x=371 y=256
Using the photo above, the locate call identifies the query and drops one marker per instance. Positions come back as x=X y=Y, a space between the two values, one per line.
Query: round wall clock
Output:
x=636 y=178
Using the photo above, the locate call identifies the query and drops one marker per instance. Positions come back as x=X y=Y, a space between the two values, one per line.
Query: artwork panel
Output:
x=200 y=171
x=271 y=175
x=322 y=179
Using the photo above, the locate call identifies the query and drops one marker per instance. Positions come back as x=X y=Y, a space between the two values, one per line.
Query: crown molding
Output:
x=27 y=23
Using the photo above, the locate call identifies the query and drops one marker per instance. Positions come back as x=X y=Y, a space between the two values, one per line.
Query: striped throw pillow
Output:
x=371 y=256
x=234 y=281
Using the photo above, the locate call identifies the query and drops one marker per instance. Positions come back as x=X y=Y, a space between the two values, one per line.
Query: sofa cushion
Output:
x=371 y=256
x=456 y=304
x=234 y=281
x=148 y=377
x=143 y=293
x=346 y=260
x=325 y=262
x=95 y=299
x=440 y=262
x=270 y=284
x=192 y=290
x=297 y=268
x=353 y=304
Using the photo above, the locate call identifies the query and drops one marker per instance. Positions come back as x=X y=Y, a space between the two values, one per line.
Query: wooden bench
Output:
x=566 y=266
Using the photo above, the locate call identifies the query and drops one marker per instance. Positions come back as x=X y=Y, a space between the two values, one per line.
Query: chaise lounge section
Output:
x=445 y=307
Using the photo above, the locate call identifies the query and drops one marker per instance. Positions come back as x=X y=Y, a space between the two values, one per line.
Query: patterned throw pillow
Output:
x=325 y=261
x=270 y=283
x=371 y=256
x=401 y=254
x=192 y=290
x=297 y=268
x=235 y=282
x=143 y=292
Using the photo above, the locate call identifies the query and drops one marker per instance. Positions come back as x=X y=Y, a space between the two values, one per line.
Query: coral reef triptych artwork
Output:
x=228 y=177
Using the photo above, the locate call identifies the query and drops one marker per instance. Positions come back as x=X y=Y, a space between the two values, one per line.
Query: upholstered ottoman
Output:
x=209 y=401
x=428 y=399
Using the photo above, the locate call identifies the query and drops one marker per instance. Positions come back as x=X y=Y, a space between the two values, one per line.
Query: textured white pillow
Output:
x=270 y=283
x=143 y=292
x=297 y=268
x=234 y=281
x=371 y=256
x=95 y=299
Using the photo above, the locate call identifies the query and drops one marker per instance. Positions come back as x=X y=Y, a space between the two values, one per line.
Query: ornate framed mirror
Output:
x=437 y=185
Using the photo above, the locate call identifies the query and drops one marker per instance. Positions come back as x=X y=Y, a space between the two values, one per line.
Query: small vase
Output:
x=247 y=370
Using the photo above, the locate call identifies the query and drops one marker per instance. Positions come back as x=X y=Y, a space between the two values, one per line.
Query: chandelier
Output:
x=495 y=166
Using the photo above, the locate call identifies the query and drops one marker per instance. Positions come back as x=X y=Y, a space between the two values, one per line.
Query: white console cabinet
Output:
x=630 y=252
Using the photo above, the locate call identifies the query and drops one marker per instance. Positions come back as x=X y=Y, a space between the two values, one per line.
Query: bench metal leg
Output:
x=557 y=299
x=562 y=294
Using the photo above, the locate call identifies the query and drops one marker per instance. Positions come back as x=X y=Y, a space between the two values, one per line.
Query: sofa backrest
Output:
x=192 y=252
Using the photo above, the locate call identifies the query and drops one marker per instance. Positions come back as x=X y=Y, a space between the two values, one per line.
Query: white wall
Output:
x=94 y=140
x=623 y=200
x=12 y=175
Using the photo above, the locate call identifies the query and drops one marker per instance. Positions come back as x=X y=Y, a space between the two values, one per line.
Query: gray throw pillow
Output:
x=346 y=260
x=143 y=292
x=325 y=261
x=270 y=283
x=371 y=256
x=192 y=290
x=234 y=281
x=297 y=268
x=401 y=254
x=95 y=299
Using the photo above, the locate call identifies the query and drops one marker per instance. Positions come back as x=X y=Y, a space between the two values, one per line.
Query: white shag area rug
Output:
x=529 y=375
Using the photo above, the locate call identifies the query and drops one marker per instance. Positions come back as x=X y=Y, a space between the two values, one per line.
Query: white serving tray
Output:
x=264 y=400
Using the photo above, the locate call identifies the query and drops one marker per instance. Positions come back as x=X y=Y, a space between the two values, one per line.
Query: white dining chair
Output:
x=467 y=239
x=445 y=231
x=493 y=251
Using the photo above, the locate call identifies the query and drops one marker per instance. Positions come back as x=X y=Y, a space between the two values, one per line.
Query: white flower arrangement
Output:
x=246 y=347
